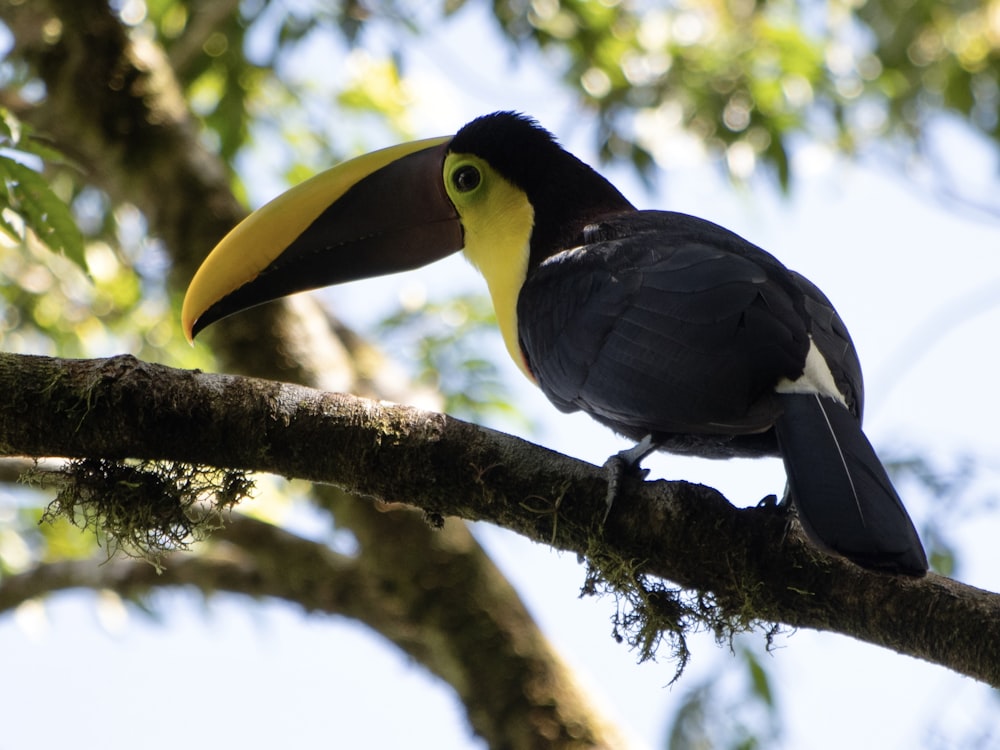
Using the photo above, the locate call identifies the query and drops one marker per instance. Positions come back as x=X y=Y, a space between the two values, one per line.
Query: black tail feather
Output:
x=840 y=488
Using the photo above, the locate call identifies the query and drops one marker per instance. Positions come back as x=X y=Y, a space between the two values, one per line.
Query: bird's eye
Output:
x=466 y=178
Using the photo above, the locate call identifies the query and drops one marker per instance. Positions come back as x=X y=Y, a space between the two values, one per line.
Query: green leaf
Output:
x=29 y=196
x=6 y=226
x=47 y=153
x=9 y=125
x=759 y=679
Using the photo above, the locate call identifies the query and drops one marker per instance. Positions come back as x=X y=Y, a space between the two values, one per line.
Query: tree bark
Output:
x=750 y=566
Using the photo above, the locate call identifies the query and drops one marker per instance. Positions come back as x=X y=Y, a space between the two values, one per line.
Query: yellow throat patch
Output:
x=497 y=220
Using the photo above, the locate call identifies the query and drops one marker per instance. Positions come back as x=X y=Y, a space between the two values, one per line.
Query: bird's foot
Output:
x=780 y=506
x=626 y=461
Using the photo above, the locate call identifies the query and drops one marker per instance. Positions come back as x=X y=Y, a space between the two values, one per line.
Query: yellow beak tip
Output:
x=187 y=323
x=186 y=326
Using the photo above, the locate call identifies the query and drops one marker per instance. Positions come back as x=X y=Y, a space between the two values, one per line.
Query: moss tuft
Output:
x=143 y=509
x=650 y=614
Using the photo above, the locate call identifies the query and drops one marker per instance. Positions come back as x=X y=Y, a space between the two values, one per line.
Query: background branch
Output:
x=256 y=559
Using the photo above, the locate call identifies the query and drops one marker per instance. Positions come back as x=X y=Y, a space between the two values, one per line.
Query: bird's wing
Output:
x=664 y=323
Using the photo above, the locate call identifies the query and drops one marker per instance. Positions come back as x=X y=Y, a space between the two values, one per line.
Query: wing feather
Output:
x=668 y=324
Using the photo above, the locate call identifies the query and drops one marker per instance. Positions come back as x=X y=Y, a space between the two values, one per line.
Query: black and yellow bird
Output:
x=662 y=326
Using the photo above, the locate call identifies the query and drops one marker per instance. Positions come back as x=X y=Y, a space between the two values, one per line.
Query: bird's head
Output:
x=501 y=190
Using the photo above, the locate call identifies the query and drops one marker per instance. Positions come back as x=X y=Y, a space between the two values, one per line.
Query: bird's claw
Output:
x=625 y=461
x=770 y=502
x=783 y=506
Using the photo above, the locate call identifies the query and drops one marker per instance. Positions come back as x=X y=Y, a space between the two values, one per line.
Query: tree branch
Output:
x=233 y=569
x=686 y=533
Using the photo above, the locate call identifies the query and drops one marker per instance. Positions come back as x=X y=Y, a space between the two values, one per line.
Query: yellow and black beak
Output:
x=380 y=213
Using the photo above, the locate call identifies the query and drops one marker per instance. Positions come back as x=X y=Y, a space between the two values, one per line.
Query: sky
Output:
x=913 y=279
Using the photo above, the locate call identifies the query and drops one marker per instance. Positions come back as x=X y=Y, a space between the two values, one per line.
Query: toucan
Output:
x=667 y=328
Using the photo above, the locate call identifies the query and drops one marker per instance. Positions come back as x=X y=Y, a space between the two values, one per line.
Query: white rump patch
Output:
x=815 y=378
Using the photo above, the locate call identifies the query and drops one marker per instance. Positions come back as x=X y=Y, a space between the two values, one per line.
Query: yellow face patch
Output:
x=497 y=219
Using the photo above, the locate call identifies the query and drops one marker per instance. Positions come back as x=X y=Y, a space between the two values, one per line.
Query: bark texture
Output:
x=686 y=533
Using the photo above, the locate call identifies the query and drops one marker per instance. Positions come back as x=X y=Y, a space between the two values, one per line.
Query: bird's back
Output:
x=662 y=323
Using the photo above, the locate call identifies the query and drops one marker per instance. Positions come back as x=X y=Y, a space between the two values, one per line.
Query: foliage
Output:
x=116 y=299
x=749 y=80
x=445 y=342
x=745 y=82
x=28 y=196
x=734 y=709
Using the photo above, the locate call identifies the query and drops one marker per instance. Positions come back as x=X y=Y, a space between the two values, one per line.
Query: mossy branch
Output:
x=742 y=562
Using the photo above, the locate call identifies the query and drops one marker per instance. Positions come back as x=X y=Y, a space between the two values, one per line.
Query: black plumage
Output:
x=663 y=324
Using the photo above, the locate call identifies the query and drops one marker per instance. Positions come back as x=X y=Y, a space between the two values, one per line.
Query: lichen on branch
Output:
x=143 y=509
